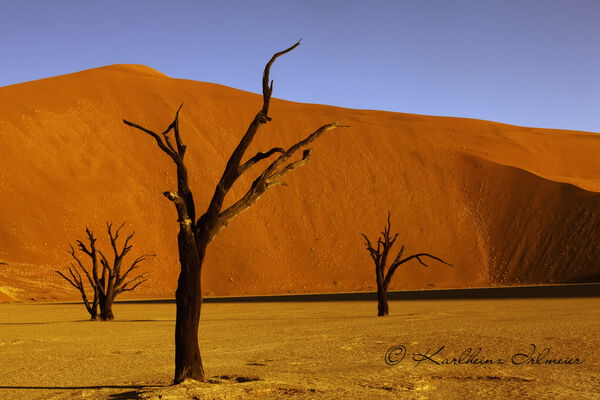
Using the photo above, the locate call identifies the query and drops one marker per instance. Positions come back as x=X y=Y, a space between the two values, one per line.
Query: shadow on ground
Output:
x=128 y=395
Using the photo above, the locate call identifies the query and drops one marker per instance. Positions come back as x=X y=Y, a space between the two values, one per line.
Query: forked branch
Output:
x=163 y=141
x=214 y=218
x=233 y=170
x=177 y=153
x=273 y=175
x=259 y=157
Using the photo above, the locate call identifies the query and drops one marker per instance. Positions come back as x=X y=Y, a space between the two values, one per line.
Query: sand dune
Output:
x=504 y=204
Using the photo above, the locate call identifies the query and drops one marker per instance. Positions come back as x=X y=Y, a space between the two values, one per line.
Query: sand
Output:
x=504 y=204
x=316 y=350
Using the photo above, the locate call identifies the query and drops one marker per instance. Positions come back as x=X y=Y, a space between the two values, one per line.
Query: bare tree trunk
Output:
x=92 y=308
x=106 y=313
x=94 y=311
x=382 y=304
x=188 y=297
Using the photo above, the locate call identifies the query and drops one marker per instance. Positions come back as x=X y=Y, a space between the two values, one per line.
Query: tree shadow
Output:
x=29 y=323
x=87 y=320
x=131 y=395
x=134 y=394
x=143 y=320
x=81 y=387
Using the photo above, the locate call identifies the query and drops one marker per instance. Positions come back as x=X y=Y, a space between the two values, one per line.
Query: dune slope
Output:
x=504 y=204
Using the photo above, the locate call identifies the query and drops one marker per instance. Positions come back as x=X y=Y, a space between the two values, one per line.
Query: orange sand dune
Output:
x=504 y=204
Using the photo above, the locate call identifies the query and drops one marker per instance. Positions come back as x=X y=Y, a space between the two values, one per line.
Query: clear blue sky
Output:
x=523 y=62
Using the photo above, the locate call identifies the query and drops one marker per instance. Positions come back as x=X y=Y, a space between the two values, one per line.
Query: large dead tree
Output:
x=380 y=255
x=195 y=234
x=106 y=279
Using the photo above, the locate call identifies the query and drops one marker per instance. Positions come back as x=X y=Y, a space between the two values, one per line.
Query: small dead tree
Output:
x=380 y=257
x=196 y=234
x=106 y=279
x=76 y=280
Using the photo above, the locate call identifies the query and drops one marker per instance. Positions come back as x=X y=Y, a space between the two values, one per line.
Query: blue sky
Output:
x=527 y=62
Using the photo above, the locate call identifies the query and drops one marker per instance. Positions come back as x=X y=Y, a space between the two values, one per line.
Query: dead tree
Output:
x=196 y=234
x=106 y=279
x=380 y=257
x=76 y=280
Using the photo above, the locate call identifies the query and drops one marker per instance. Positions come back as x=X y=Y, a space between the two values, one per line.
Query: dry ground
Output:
x=319 y=350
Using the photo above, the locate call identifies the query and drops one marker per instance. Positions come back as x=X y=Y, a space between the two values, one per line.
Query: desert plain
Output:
x=308 y=350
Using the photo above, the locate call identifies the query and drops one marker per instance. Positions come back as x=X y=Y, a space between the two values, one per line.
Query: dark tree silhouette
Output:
x=106 y=279
x=196 y=234
x=380 y=256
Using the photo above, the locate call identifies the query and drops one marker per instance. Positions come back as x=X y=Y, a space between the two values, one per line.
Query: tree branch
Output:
x=177 y=155
x=275 y=179
x=396 y=264
x=232 y=169
x=369 y=247
x=399 y=256
x=124 y=288
x=387 y=242
x=268 y=86
x=75 y=284
x=180 y=146
x=270 y=170
x=271 y=176
x=92 y=240
x=134 y=265
x=259 y=157
x=180 y=206
x=126 y=246
x=106 y=269
x=158 y=139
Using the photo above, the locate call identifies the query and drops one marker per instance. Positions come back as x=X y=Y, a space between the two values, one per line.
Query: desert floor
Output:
x=310 y=350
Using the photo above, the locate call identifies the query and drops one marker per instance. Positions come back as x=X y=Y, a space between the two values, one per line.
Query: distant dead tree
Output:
x=106 y=279
x=195 y=234
x=380 y=257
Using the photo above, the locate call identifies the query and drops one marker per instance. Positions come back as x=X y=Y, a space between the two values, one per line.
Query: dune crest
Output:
x=133 y=68
x=504 y=204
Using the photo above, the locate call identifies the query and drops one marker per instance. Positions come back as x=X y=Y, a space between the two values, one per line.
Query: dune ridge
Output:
x=504 y=204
